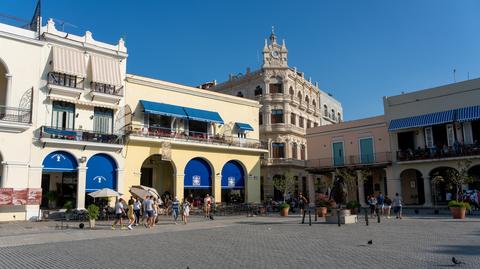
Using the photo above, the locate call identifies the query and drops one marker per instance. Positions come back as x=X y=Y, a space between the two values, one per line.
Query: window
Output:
x=299 y=95
x=277 y=116
x=102 y=120
x=302 y=152
x=300 y=122
x=294 y=151
x=293 y=119
x=325 y=110
x=315 y=124
x=314 y=104
x=291 y=92
x=239 y=94
x=258 y=91
x=307 y=100
x=428 y=138
x=63 y=115
x=339 y=117
x=276 y=88
x=278 y=150
x=260 y=118
x=309 y=124
x=333 y=114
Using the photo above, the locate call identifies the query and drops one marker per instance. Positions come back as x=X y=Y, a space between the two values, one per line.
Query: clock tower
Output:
x=274 y=55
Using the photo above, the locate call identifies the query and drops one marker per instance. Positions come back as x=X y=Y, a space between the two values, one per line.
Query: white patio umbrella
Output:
x=105 y=192
x=141 y=191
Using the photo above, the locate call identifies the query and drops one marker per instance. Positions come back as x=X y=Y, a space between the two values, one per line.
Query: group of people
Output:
x=468 y=196
x=382 y=205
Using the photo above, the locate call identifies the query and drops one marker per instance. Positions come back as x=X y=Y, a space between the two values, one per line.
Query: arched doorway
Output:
x=3 y=87
x=101 y=173
x=440 y=185
x=59 y=179
x=158 y=174
x=233 y=182
x=277 y=194
x=474 y=172
x=198 y=179
x=413 y=192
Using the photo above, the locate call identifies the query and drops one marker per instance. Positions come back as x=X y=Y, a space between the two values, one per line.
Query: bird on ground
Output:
x=456 y=262
x=370 y=242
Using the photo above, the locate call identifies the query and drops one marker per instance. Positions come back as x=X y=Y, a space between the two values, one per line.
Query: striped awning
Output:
x=423 y=120
x=69 y=61
x=106 y=70
x=468 y=113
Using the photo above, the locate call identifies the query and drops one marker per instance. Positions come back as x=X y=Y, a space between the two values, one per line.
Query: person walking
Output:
x=207 y=203
x=380 y=203
x=387 y=206
x=397 y=206
x=302 y=201
x=148 y=205
x=144 y=211
x=175 y=209
x=155 y=211
x=186 y=210
x=372 y=201
x=131 y=213
x=119 y=212
x=137 y=205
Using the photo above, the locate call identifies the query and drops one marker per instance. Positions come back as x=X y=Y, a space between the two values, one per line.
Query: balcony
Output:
x=378 y=159
x=64 y=84
x=302 y=106
x=105 y=92
x=81 y=138
x=457 y=152
x=283 y=128
x=283 y=161
x=14 y=119
x=191 y=137
x=294 y=100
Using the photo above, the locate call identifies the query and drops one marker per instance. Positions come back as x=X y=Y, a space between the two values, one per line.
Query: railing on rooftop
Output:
x=79 y=135
x=351 y=160
x=435 y=153
x=194 y=136
x=15 y=114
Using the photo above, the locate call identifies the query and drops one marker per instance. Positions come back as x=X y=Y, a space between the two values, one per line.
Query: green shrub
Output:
x=353 y=204
x=284 y=205
x=51 y=196
x=68 y=206
x=459 y=204
x=93 y=211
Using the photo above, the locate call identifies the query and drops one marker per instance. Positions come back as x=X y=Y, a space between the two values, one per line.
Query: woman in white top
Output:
x=186 y=210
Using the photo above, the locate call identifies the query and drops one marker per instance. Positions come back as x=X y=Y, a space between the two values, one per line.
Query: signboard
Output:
x=196 y=180
x=34 y=196
x=231 y=181
x=6 y=196
x=20 y=197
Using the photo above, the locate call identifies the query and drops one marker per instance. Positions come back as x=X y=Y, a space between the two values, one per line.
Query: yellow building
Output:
x=184 y=140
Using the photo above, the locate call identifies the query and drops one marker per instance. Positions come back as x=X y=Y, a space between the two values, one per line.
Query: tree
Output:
x=285 y=183
x=349 y=176
x=460 y=177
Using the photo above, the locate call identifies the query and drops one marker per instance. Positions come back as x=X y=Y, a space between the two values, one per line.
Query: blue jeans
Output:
x=175 y=214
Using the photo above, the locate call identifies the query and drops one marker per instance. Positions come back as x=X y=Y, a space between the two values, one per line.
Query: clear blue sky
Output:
x=357 y=50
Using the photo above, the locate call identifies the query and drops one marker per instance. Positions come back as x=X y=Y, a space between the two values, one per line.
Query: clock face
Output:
x=275 y=54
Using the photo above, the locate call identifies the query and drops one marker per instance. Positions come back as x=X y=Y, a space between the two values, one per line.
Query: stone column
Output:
x=121 y=182
x=428 y=191
x=217 y=188
x=311 y=189
x=81 y=185
x=361 y=190
x=178 y=186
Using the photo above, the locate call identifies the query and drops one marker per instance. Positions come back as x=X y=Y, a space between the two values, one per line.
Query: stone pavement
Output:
x=241 y=242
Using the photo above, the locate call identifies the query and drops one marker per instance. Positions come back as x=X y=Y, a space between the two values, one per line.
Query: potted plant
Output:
x=52 y=199
x=68 y=206
x=458 y=209
x=284 y=207
x=353 y=206
x=322 y=208
x=93 y=211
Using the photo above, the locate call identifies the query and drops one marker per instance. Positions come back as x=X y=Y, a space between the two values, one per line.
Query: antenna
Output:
x=468 y=75
x=454 y=72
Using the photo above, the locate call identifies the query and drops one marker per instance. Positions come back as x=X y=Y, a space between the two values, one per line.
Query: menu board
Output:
x=6 y=196
x=20 y=197
x=34 y=196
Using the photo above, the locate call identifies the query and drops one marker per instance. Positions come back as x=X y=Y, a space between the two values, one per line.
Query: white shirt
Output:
x=119 y=208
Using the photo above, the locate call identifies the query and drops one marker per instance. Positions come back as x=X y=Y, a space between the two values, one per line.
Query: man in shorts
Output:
x=148 y=205
x=119 y=212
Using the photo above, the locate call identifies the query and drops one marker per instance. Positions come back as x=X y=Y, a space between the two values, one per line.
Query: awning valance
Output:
x=243 y=126
x=163 y=109
x=233 y=176
x=203 y=115
x=69 y=61
x=59 y=161
x=106 y=70
x=198 y=174
x=468 y=113
x=422 y=120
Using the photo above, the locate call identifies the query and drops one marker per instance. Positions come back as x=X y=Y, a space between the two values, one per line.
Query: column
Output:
x=3 y=178
x=361 y=190
x=121 y=182
x=81 y=185
x=8 y=93
x=217 y=187
x=311 y=189
x=428 y=191
x=179 y=186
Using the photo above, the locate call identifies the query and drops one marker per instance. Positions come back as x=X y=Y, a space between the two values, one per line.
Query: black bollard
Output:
x=303 y=217
x=366 y=216
x=309 y=217
x=378 y=215
x=338 y=217
x=316 y=214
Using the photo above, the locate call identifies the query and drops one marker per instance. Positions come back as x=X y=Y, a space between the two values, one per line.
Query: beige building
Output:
x=291 y=104
x=362 y=146
x=432 y=130
x=186 y=141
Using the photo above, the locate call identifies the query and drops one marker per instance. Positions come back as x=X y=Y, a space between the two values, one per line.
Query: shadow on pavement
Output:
x=470 y=250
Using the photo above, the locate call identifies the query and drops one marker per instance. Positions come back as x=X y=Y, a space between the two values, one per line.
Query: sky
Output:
x=359 y=51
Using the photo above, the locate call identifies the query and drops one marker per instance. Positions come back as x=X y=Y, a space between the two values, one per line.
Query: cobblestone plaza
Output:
x=241 y=242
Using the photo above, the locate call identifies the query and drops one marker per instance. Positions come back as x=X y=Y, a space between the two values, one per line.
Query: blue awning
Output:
x=54 y=131
x=243 y=126
x=101 y=173
x=203 y=115
x=198 y=174
x=422 y=120
x=233 y=176
x=468 y=113
x=59 y=161
x=163 y=109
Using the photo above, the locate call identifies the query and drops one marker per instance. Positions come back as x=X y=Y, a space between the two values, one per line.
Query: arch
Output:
x=325 y=110
x=339 y=116
x=291 y=91
x=440 y=185
x=3 y=82
x=307 y=99
x=413 y=192
x=474 y=172
x=299 y=95
x=59 y=161
x=314 y=104
x=198 y=174
x=101 y=173
x=158 y=174
x=233 y=175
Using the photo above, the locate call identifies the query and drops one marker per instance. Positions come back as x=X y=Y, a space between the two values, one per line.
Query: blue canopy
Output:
x=163 y=109
x=243 y=126
x=422 y=120
x=468 y=113
x=203 y=115
x=59 y=161
x=198 y=174
x=101 y=173
x=233 y=176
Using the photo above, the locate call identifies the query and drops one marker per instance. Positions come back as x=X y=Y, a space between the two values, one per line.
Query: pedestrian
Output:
x=213 y=207
x=387 y=207
x=137 y=205
x=397 y=206
x=186 y=210
x=144 y=210
x=131 y=213
x=207 y=203
x=175 y=209
x=155 y=211
x=448 y=196
x=148 y=205
x=302 y=201
x=372 y=201
x=380 y=203
x=119 y=212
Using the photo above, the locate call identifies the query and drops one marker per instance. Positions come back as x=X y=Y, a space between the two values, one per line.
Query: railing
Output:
x=193 y=136
x=79 y=135
x=283 y=161
x=64 y=80
x=15 y=114
x=106 y=89
x=351 y=160
x=434 y=153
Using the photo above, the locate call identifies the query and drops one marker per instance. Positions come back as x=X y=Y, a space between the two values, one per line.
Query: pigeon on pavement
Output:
x=456 y=262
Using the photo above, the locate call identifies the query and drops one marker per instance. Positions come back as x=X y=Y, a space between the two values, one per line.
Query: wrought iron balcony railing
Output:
x=351 y=160
x=80 y=135
x=15 y=114
x=64 y=80
x=434 y=153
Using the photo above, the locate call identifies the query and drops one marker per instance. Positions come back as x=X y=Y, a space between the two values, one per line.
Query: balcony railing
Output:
x=434 y=153
x=64 y=80
x=195 y=137
x=106 y=89
x=351 y=160
x=283 y=161
x=79 y=135
x=15 y=114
